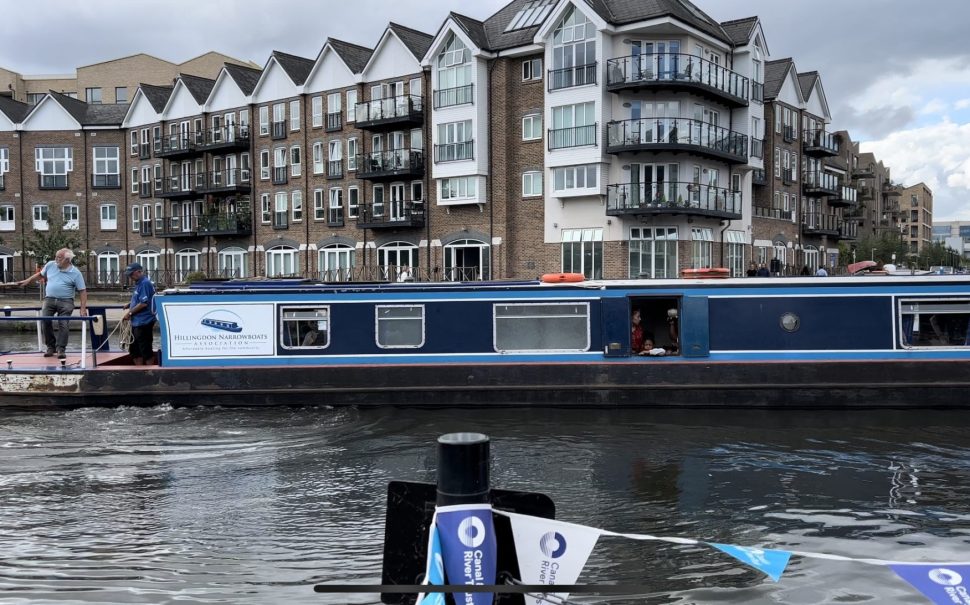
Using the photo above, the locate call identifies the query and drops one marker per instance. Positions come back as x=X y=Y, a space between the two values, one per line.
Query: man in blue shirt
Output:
x=63 y=282
x=142 y=316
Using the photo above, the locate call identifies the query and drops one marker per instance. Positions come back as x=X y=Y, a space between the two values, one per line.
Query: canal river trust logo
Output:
x=553 y=544
x=471 y=532
x=945 y=577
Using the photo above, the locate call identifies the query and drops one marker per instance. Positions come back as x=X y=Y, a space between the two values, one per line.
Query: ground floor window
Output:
x=779 y=259
x=109 y=268
x=336 y=262
x=397 y=261
x=701 y=247
x=582 y=252
x=6 y=268
x=735 y=252
x=282 y=261
x=811 y=260
x=149 y=260
x=186 y=262
x=466 y=260
x=232 y=263
x=653 y=252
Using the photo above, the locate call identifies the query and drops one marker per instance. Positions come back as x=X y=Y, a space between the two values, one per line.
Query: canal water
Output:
x=213 y=505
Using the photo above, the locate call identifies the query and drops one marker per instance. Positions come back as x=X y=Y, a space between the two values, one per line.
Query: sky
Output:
x=896 y=73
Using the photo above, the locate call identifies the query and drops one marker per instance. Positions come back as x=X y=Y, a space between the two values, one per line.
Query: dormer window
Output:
x=454 y=74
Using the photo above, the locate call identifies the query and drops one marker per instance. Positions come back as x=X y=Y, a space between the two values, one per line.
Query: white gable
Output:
x=329 y=72
x=181 y=104
x=557 y=14
x=790 y=92
x=5 y=124
x=141 y=112
x=814 y=104
x=391 y=60
x=49 y=115
x=450 y=27
x=274 y=84
x=225 y=94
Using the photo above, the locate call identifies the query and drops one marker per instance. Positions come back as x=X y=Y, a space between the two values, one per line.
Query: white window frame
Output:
x=532 y=183
x=296 y=161
x=351 y=105
x=532 y=127
x=387 y=309
x=264 y=120
x=319 y=205
x=296 y=206
x=294 y=115
x=316 y=111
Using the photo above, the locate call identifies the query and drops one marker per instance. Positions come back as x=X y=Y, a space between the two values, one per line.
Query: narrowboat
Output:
x=835 y=342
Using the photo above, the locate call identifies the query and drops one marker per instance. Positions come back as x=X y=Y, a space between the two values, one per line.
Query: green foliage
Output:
x=194 y=277
x=43 y=245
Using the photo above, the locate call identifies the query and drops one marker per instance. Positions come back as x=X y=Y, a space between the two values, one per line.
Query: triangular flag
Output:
x=771 y=562
x=945 y=584
x=435 y=570
x=550 y=552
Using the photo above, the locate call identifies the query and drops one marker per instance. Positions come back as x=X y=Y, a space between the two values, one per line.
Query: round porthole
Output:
x=790 y=322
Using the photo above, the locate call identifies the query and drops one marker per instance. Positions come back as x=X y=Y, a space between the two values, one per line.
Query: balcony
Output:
x=227 y=138
x=396 y=214
x=335 y=169
x=53 y=181
x=578 y=136
x=145 y=190
x=864 y=172
x=677 y=72
x=848 y=230
x=281 y=175
x=758 y=148
x=224 y=182
x=450 y=97
x=145 y=228
x=281 y=220
x=335 y=121
x=672 y=198
x=778 y=214
x=144 y=151
x=788 y=176
x=677 y=135
x=225 y=223
x=182 y=187
x=177 y=146
x=820 y=224
x=857 y=214
x=278 y=131
x=569 y=77
x=758 y=92
x=335 y=217
x=101 y=181
x=391 y=113
x=454 y=152
x=867 y=193
x=758 y=177
x=392 y=164
x=175 y=227
x=818 y=143
x=817 y=184
x=847 y=196
x=891 y=190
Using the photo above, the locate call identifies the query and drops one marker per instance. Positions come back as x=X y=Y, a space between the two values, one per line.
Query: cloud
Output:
x=938 y=155
x=962 y=104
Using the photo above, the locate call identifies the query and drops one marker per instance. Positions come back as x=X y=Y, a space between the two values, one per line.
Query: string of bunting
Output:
x=555 y=552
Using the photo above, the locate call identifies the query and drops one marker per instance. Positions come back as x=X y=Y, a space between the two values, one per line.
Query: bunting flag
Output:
x=468 y=548
x=435 y=571
x=770 y=562
x=550 y=552
x=943 y=584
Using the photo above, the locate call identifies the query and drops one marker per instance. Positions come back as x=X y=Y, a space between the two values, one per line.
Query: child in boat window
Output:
x=639 y=337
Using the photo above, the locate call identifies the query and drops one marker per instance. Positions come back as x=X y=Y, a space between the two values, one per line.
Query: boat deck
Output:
x=35 y=360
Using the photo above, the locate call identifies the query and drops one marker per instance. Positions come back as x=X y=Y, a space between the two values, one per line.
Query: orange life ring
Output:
x=706 y=273
x=562 y=278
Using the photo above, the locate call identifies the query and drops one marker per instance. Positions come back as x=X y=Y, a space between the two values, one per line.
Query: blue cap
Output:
x=133 y=267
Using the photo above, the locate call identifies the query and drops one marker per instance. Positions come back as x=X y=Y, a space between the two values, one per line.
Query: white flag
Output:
x=550 y=552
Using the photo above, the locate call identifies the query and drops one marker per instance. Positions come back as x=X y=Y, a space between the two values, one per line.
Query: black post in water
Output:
x=463 y=463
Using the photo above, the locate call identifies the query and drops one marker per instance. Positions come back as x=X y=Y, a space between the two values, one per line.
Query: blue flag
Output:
x=770 y=562
x=435 y=570
x=949 y=584
x=469 y=549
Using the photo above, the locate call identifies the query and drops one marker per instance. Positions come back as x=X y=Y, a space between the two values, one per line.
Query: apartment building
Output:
x=613 y=139
x=954 y=235
x=916 y=217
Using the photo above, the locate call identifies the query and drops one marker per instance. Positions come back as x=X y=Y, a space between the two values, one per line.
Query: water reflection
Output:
x=255 y=506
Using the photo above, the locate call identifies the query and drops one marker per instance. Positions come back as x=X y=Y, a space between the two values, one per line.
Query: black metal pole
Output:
x=463 y=465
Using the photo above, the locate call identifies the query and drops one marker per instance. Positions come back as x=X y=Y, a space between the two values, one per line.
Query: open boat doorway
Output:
x=655 y=326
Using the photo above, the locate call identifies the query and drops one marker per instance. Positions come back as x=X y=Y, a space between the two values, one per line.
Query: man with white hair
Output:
x=63 y=282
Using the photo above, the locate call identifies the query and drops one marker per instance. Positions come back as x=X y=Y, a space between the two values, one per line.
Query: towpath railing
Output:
x=97 y=318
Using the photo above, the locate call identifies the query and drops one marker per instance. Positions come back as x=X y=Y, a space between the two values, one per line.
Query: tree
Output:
x=44 y=244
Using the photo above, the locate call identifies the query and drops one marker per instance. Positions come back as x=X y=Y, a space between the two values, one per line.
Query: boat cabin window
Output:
x=934 y=323
x=400 y=326
x=654 y=326
x=541 y=327
x=305 y=327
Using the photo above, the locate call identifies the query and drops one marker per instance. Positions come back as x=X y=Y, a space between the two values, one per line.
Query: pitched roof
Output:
x=92 y=114
x=806 y=81
x=297 y=68
x=245 y=77
x=628 y=11
x=199 y=87
x=473 y=28
x=498 y=38
x=354 y=56
x=775 y=74
x=14 y=110
x=739 y=30
x=417 y=42
x=156 y=95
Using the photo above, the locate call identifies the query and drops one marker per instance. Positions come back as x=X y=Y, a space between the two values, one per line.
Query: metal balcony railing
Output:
x=577 y=136
x=458 y=95
x=677 y=68
x=102 y=181
x=635 y=135
x=568 y=77
x=673 y=196
x=454 y=152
